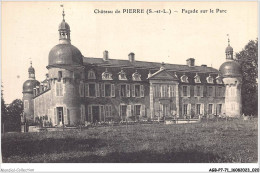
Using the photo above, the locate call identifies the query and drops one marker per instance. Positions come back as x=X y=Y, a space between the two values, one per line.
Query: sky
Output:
x=30 y=30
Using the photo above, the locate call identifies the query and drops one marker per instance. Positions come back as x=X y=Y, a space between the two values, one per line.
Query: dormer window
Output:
x=91 y=74
x=184 y=79
x=209 y=79
x=197 y=78
x=136 y=76
x=219 y=80
x=122 y=75
x=106 y=75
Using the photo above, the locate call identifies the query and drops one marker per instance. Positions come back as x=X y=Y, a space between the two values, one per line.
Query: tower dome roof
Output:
x=29 y=85
x=229 y=49
x=230 y=69
x=65 y=54
x=64 y=26
x=31 y=69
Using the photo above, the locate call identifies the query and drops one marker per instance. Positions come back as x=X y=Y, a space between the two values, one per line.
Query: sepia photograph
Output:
x=129 y=82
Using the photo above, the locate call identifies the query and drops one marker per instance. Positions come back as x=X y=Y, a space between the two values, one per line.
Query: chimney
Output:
x=105 y=55
x=190 y=62
x=131 y=57
x=203 y=65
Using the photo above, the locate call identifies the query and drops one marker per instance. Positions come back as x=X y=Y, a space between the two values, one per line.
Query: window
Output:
x=210 y=109
x=210 y=91
x=185 y=109
x=123 y=90
x=122 y=75
x=197 y=78
x=26 y=104
x=171 y=88
x=156 y=91
x=136 y=76
x=137 y=109
x=219 y=91
x=198 y=109
x=106 y=75
x=184 y=90
x=209 y=79
x=92 y=90
x=81 y=89
x=219 y=109
x=197 y=88
x=108 y=110
x=59 y=89
x=137 y=90
x=107 y=90
x=184 y=79
x=91 y=74
x=164 y=90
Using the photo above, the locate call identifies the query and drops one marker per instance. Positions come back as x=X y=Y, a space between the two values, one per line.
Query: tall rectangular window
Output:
x=123 y=90
x=137 y=90
x=107 y=90
x=198 y=90
x=108 y=110
x=137 y=109
x=210 y=109
x=59 y=89
x=156 y=90
x=164 y=90
x=198 y=109
x=184 y=90
x=92 y=90
x=171 y=88
x=185 y=109
x=210 y=91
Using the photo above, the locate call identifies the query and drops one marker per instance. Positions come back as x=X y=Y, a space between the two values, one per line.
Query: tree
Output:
x=248 y=61
x=3 y=108
x=14 y=112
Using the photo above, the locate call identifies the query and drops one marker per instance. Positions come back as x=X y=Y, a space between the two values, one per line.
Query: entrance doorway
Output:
x=60 y=115
x=95 y=114
x=165 y=110
x=123 y=109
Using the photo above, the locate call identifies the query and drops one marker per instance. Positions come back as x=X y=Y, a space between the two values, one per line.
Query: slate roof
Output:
x=143 y=67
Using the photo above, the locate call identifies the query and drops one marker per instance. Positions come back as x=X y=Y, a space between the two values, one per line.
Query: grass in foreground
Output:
x=231 y=141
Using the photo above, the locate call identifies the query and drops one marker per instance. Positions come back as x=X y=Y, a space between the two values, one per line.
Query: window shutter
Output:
x=128 y=110
x=142 y=91
x=119 y=90
x=97 y=90
x=133 y=90
x=128 y=93
x=62 y=89
x=223 y=109
x=169 y=91
x=214 y=109
x=110 y=110
x=55 y=116
x=189 y=109
x=182 y=91
x=113 y=90
x=142 y=110
x=213 y=91
x=201 y=91
x=65 y=115
x=83 y=114
x=102 y=90
x=90 y=113
x=202 y=109
x=188 y=91
x=195 y=91
x=86 y=90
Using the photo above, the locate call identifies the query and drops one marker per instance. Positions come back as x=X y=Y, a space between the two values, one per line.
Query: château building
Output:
x=80 y=89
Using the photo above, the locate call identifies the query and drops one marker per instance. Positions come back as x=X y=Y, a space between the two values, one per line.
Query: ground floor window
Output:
x=219 y=109
x=137 y=109
x=185 y=109
x=210 y=109
x=198 y=109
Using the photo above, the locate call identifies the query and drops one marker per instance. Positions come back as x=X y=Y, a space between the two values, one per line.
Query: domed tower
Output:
x=28 y=86
x=65 y=74
x=232 y=78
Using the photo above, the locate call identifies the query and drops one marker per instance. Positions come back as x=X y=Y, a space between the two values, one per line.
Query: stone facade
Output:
x=82 y=89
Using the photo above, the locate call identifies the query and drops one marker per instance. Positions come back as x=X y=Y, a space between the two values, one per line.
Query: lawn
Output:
x=204 y=142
